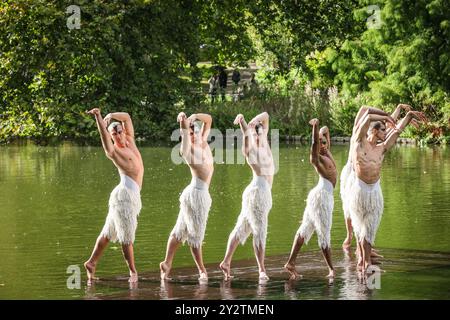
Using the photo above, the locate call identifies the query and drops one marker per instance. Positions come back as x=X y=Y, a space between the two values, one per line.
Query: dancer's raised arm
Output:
x=368 y=110
x=398 y=109
x=363 y=127
x=206 y=126
x=185 y=135
x=262 y=118
x=125 y=119
x=411 y=115
x=314 y=157
x=240 y=120
x=104 y=135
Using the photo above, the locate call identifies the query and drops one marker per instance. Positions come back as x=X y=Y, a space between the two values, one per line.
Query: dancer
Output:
x=257 y=197
x=319 y=208
x=346 y=176
x=195 y=200
x=125 y=199
x=365 y=199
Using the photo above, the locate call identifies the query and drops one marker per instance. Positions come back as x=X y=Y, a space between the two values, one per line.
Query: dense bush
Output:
x=406 y=59
x=146 y=57
x=135 y=56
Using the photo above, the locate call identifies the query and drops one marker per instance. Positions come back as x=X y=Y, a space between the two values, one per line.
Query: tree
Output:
x=406 y=60
x=135 y=56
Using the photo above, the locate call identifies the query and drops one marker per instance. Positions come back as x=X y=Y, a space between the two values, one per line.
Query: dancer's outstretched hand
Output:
x=419 y=116
x=238 y=119
x=415 y=123
x=405 y=107
x=181 y=116
x=314 y=122
x=95 y=111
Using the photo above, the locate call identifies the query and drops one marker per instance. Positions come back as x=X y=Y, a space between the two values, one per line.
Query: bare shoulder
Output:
x=327 y=160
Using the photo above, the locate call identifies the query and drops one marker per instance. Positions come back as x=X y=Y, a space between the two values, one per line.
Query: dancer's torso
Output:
x=367 y=160
x=260 y=160
x=129 y=162
x=327 y=168
x=201 y=162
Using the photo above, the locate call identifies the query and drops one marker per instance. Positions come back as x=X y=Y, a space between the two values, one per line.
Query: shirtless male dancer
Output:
x=346 y=170
x=195 y=200
x=318 y=213
x=257 y=197
x=365 y=199
x=125 y=200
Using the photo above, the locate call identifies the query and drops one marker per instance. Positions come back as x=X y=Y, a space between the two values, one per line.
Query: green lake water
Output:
x=54 y=203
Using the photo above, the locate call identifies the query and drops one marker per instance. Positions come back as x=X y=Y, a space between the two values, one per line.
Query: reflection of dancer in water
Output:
x=125 y=199
x=365 y=199
x=195 y=200
x=165 y=290
x=319 y=208
x=226 y=292
x=351 y=287
x=347 y=177
x=257 y=197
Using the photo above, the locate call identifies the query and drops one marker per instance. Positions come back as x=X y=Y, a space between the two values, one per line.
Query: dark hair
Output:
x=376 y=125
x=257 y=127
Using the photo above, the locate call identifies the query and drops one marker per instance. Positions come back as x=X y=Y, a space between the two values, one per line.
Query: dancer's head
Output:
x=115 y=129
x=323 y=141
x=377 y=129
x=258 y=131
x=194 y=131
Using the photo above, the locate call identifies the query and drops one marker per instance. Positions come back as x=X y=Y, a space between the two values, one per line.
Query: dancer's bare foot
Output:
x=263 y=275
x=203 y=277
x=374 y=254
x=331 y=274
x=293 y=274
x=133 y=277
x=90 y=271
x=165 y=270
x=225 y=267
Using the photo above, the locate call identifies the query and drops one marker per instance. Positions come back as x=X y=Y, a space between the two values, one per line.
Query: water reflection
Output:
x=226 y=292
x=89 y=292
x=261 y=290
x=290 y=289
x=201 y=291
x=348 y=284
x=54 y=202
x=353 y=282
x=165 y=290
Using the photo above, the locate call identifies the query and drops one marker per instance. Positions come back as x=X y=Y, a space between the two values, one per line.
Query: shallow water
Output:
x=54 y=203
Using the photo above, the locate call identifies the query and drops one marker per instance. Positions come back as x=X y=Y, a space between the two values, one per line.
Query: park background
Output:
x=153 y=59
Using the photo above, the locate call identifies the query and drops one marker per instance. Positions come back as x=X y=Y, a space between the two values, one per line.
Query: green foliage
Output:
x=406 y=60
x=290 y=30
x=343 y=111
x=288 y=113
x=135 y=56
x=152 y=58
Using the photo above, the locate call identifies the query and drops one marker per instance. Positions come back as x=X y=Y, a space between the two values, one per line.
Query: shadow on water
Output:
x=404 y=274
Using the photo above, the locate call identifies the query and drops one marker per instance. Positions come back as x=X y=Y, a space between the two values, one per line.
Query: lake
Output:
x=54 y=204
